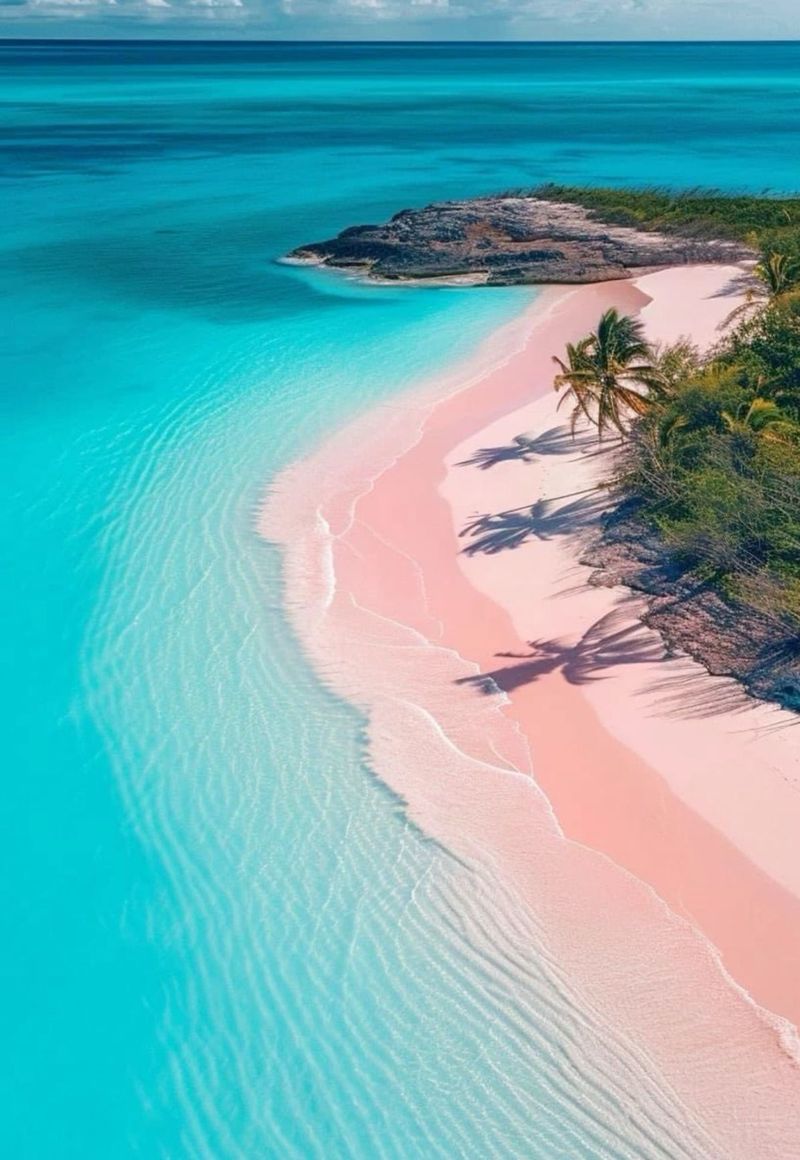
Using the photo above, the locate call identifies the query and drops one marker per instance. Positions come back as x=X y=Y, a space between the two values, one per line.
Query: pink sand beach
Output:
x=642 y=815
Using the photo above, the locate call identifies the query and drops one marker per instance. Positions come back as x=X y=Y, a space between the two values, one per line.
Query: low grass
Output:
x=761 y=221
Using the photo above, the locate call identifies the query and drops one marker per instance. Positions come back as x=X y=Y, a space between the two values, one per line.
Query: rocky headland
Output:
x=508 y=240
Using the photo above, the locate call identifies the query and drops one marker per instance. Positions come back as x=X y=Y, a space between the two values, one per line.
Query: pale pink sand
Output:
x=686 y=796
x=624 y=803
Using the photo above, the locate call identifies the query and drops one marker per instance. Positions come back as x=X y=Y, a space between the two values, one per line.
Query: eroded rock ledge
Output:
x=730 y=640
x=507 y=240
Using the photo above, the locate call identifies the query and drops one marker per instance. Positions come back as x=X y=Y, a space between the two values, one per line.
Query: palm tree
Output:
x=759 y=417
x=778 y=277
x=779 y=273
x=601 y=373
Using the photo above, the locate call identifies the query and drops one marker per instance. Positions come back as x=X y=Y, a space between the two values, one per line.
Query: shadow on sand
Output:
x=739 y=285
x=695 y=695
x=555 y=441
x=691 y=694
x=541 y=521
x=610 y=642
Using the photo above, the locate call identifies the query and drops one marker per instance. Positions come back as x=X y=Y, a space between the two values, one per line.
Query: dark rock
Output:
x=728 y=639
x=508 y=240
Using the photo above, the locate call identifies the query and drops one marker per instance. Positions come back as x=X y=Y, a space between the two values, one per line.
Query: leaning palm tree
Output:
x=777 y=278
x=601 y=373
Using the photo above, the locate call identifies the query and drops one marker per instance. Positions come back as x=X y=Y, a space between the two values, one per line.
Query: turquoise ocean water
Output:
x=220 y=936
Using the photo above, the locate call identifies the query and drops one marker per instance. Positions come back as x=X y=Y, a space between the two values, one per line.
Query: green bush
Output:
x=713 y=463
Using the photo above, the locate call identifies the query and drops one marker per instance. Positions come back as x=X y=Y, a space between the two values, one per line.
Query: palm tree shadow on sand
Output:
x=555 y=441
x=693 y=694
x=610 y=642
x=542 y=520
x=696 y=694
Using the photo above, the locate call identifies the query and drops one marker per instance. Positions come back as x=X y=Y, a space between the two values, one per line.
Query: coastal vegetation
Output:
x=710 y=462
x=761 y=221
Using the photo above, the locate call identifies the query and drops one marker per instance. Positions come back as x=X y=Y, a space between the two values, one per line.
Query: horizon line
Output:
x=254 y=40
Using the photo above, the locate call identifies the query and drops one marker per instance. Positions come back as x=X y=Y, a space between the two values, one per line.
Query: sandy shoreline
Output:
x=700 y=785
x=654 y=846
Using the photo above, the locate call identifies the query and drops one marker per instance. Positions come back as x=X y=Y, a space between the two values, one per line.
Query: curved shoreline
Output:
x=395 y=619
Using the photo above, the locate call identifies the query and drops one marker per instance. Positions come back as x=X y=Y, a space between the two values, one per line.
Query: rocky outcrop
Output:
x=728 y=639
x=501 y=241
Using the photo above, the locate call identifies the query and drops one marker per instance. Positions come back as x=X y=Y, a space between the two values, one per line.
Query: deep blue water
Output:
x=220 y=936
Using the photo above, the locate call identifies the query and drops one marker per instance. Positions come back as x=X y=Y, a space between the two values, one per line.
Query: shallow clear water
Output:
x=221 y=937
